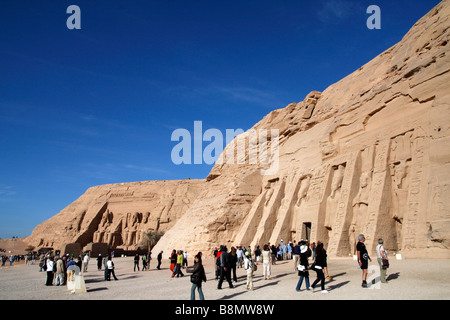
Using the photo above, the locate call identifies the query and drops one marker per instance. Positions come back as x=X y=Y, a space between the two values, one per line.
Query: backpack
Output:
x=253 y=266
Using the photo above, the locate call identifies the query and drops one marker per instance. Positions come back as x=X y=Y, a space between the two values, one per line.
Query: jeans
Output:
x=200 y=292
x=300 y=281
x=321 y=278
x=60 y=279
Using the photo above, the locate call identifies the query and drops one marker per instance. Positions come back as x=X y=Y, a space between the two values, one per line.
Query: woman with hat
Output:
x=305 y=252
x=248 y=265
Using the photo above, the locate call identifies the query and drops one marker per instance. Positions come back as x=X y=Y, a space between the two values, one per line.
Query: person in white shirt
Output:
x=50 y=264
x=248 y=266
x=266 y=254
x=185 y=255
x=382 y=256
x=240 y=257
x=110 y=266
x=85 y=262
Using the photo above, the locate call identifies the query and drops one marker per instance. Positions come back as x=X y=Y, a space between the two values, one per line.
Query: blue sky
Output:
x=95 y=106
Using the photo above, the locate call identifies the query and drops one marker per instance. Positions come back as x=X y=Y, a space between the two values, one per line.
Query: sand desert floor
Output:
x=408 y=279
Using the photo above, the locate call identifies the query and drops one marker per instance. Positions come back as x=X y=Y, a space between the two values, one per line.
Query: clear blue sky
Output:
x=95 y=106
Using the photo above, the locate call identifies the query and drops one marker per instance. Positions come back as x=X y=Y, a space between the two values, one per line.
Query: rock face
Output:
x=118 y=214
x=368 y=155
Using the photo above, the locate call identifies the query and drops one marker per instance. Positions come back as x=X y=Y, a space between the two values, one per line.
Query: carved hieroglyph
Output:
x=370 y=155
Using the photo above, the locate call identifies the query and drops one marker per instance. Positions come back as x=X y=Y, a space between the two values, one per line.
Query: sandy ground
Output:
x=408 y=279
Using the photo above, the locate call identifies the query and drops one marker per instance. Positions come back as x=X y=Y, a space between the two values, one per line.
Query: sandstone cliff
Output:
x=368 y=155
x=118 y=214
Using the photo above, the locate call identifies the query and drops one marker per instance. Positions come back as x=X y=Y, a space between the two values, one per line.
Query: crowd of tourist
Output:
x=306 y=257
x=56 y=266
x=10 y=258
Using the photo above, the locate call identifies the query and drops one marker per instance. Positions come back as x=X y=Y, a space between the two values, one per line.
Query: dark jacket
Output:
x=225 y=260
x=304 y=259
x=321 y=258
x=233 y=259
x=304 y=262
x=198 y=270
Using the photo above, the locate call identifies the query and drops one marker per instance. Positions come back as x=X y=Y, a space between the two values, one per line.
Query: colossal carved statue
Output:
x=303 y=190
x=333 y=199
x=360 y=205
x=302 y=198
x=400 y=163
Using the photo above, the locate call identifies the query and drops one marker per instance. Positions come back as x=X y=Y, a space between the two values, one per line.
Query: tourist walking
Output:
x=216 y=267
x=198 y=276
x=240 y=256
x=303 y=265
x=363 y=258
x=136 y=262
x=64 y=260
x=144 y=262
x=225 y=268
x=59 y=272
x=185 y=256
x=266 y=257
x=79 y=262
x=217 y=254
x=248 y=266
x=274 y=253
x=159 y=258
x=99 y=262
x=289 y=250
x=383 y=261
x=283 y=250
x=50 y=273
x=313 y=249
x=110 y=266
x=149 y=258
x=179 y=264
x=105 y=267
x=320 y=263
x=296 y=253
x=41 y=262
x=85 y=262
x=257 y=254
x=234 y=261
x=173 y=262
